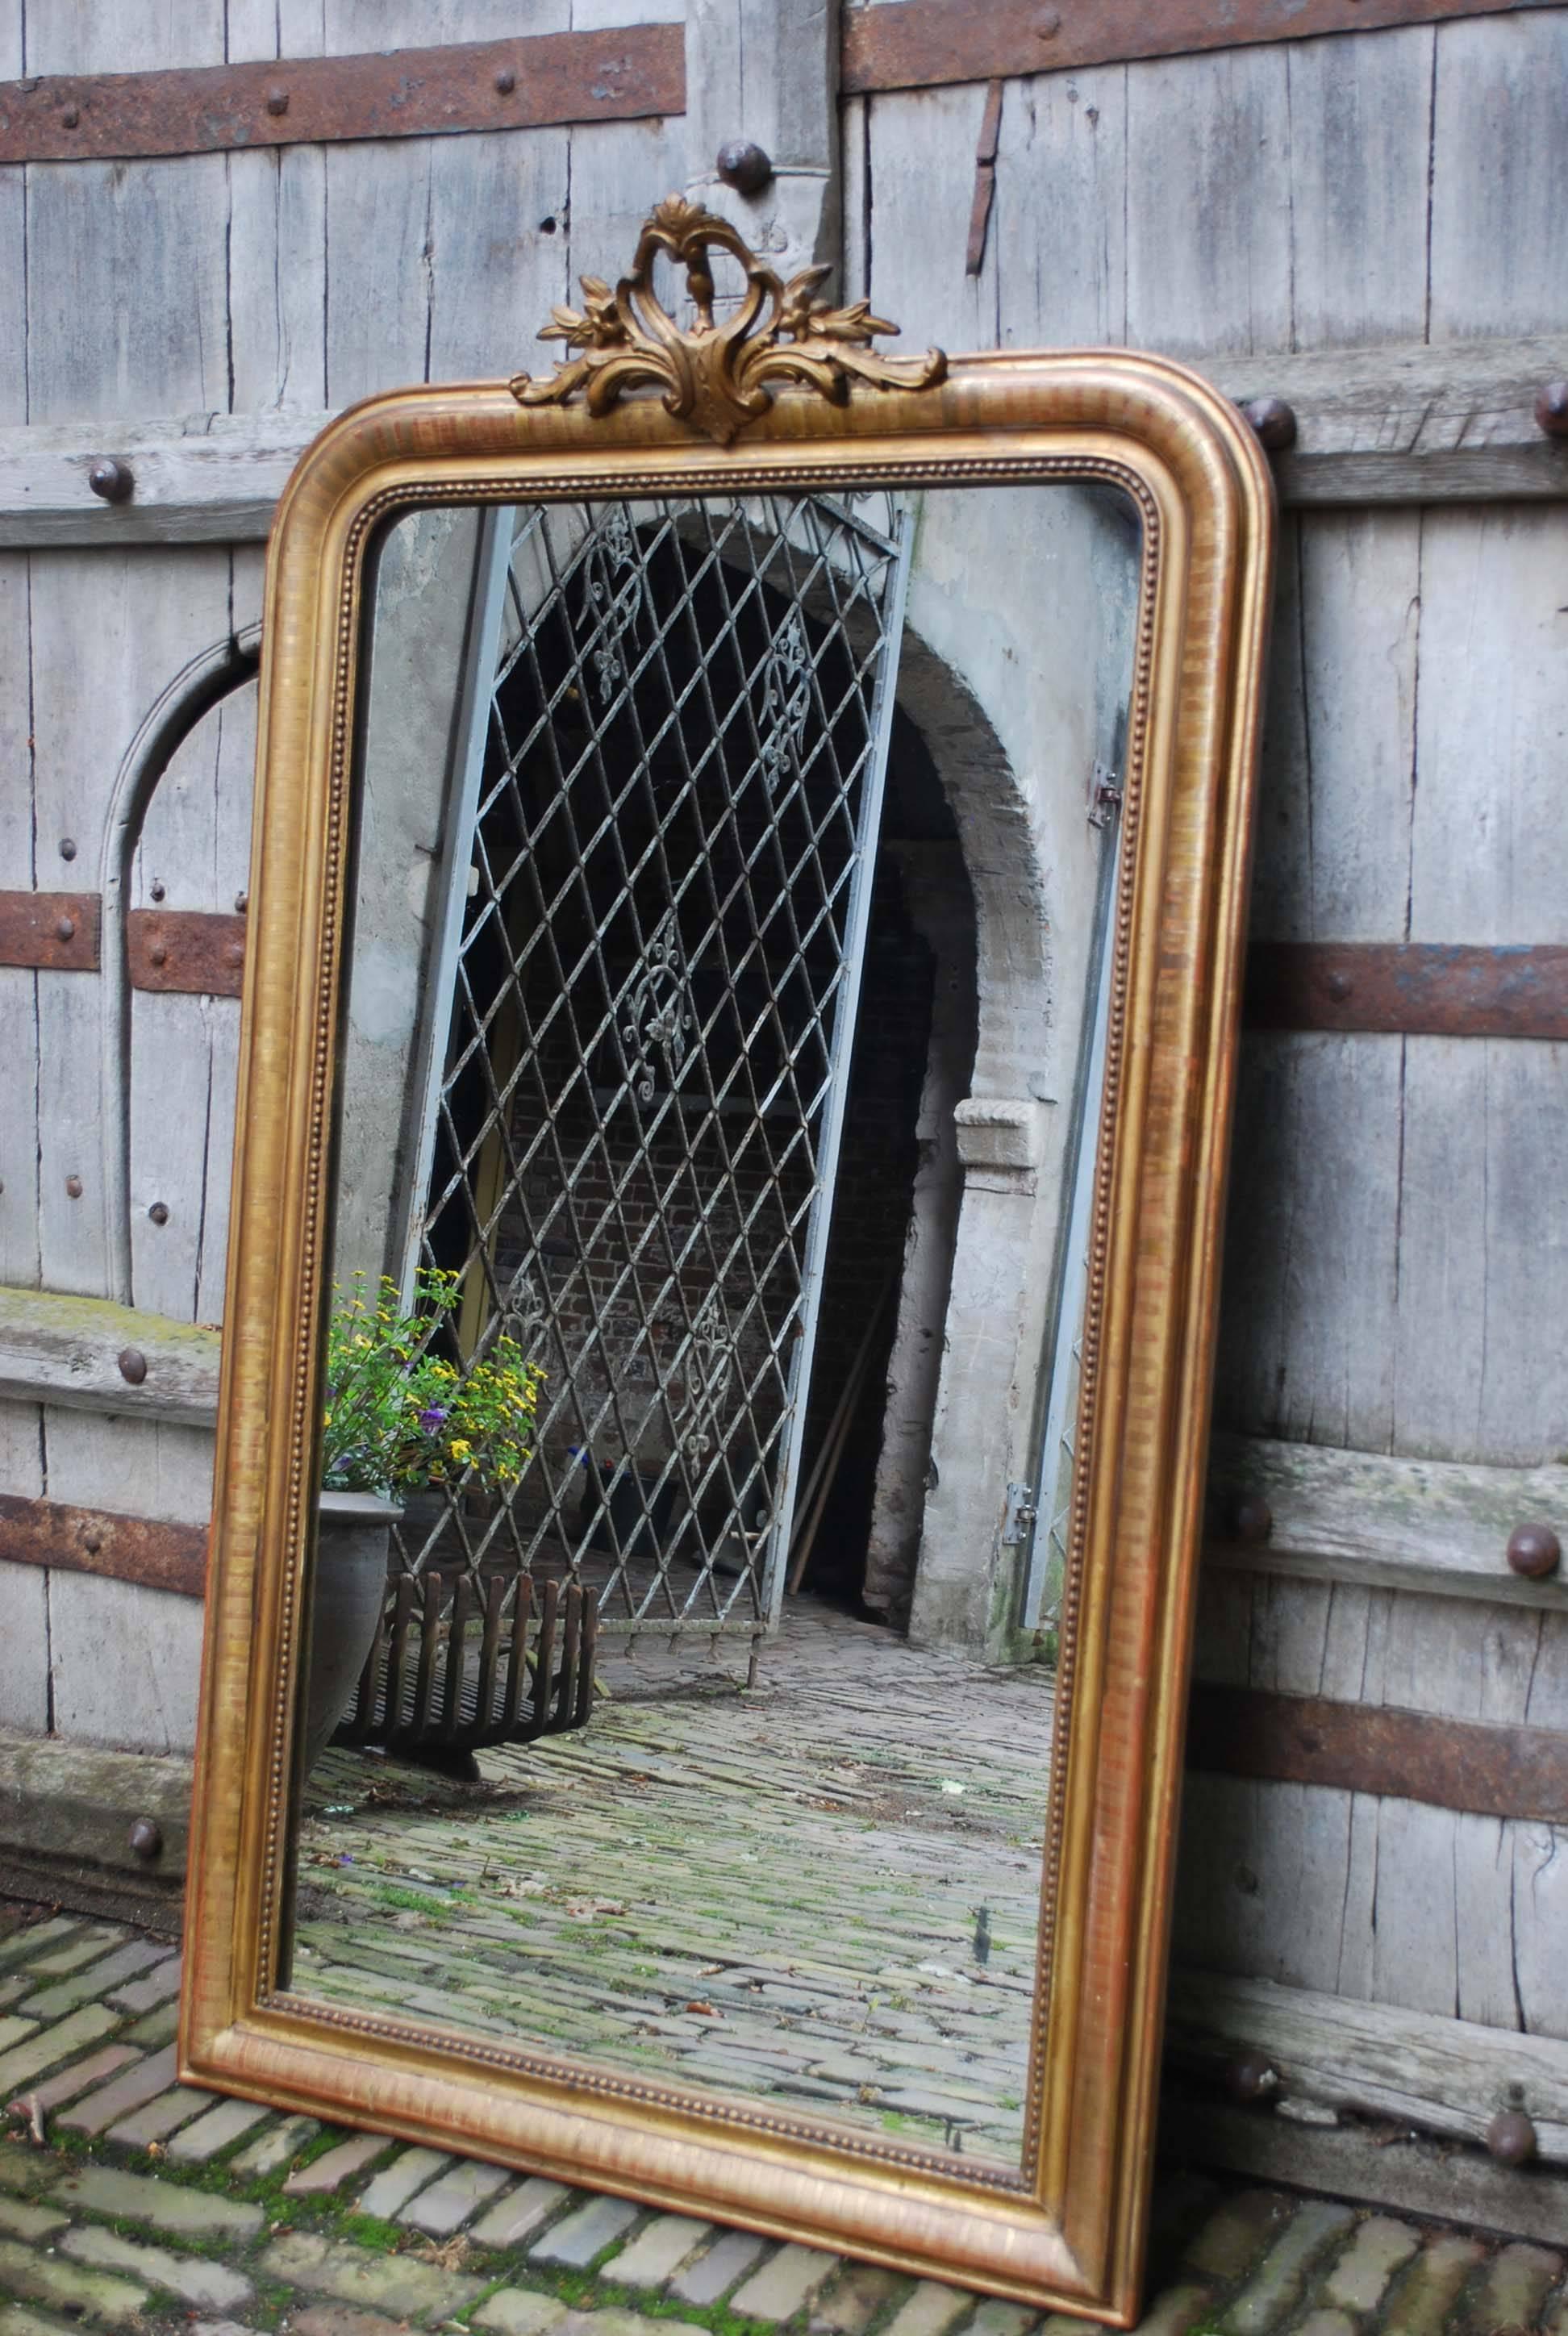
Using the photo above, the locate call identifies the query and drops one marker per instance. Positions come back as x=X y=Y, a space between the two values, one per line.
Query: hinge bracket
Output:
x=1104 y=795
x=1019 y=1515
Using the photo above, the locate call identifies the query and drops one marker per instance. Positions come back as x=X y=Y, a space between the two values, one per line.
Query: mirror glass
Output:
x=718 y=1081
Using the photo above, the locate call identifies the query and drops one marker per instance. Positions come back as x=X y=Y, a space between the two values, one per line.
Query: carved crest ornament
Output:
x=717 y=375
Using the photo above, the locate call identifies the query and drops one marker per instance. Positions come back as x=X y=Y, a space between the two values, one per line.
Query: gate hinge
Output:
x=1018 y=1515
x=1104 y=795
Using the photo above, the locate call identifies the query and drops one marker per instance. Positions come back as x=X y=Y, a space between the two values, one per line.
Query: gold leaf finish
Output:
x=718 y=376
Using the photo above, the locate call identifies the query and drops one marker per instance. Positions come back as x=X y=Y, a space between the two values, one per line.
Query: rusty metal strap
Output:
x=1413 y=989
x=59 y=930
x=543 y=77
x=919 y=44
x=1411 y=1756
x=188 y=951
x=100 y=1541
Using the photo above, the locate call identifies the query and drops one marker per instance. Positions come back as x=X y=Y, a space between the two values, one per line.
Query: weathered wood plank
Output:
x=193 y=854
x=1499 y=241
x=66 y=1350
x=1440 y=2074
x=1376 y=425
x=1435 y=1527
x=24 y=1590
x=108 y=632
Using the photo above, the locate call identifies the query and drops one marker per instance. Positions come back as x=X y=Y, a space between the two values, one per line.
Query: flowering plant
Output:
x=397 y=1417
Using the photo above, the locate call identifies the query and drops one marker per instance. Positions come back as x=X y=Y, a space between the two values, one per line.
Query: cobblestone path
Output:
x=823 y=1891
x=152 y=2209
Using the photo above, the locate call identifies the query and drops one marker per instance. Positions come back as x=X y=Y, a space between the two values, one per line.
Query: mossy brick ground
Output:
x=226 y=2239
x=824 y=1891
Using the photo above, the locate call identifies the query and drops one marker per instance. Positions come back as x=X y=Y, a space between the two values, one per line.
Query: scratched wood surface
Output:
x=1396 y=1271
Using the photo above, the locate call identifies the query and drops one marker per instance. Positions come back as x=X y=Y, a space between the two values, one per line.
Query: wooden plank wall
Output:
x=1396 y=1273
x=286 y=280
x=1397 y=1270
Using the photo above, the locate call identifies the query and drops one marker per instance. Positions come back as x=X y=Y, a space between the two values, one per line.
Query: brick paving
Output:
x=233 y=2221
x=865 y=1793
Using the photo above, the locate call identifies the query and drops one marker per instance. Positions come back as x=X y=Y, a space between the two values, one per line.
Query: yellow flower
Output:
x=460 y=1447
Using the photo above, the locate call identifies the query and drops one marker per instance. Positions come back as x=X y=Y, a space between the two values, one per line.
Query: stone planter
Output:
x=350 y=1591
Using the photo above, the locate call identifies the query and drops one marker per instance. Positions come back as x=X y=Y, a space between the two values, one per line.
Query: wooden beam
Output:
x=1429 y=989
x=922 y=43
x=1484 y=1771
x=154 y=1555
x=1439 y=1528
x=95 y=1356
x=620 y=75
x=1419 y=2069
x=1399 y=424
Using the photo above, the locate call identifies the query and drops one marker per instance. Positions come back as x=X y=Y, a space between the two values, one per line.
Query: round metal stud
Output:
x=157 y=888
x=276 y=102
x=1511 y=2137
x=70 y=115
x=158 y=954
x=132 y=1365
x=505 y=80
x=92 y=1542
x=67 y=847
x=241 y=902
x=1251 y=2077
x=1534 y=1549
x=1339 y=986
x=1047 y=24
x=158 y=1212
x=146 y=1839
x=744 y=166
x=234 y=954
x=66 y=929
x=1551 y=409
x=111 y=479
x=1251 y=1519
x=1274 y=422
x=73 y=1188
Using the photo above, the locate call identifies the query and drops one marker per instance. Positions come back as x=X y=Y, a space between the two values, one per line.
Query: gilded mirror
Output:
x=749 y=873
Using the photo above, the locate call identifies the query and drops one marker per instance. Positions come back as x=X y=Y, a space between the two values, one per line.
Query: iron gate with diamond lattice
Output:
x=632 y=1138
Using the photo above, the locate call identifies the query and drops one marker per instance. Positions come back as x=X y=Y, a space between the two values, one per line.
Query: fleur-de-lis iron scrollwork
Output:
x=718 y=376
x=710 y=1364
x=612 y=590
x=658 y=1009
x=786 y=701
x=523 y=1315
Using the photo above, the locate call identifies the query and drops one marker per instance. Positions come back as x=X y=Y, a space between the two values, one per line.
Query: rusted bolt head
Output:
x=158 y=954
x=68 y=847
x=1534 y=1549
x=1551 y=409
x=1511 y=2137
x=92 y=1542
x=241 y=902
x=1251 y=1519
x=158 y=1212
x=70 y=115
x=744 y=166
x=132 y=1365
x=505 y=80
x=111 y=479
x=157 y=888
x=146 y=1839
x=278 y=100
x=1339 y=985
x=74 y=1187
x=234 y=953
x=1251 y=2077
x=1048 y=24
x=66 y=929
x=1274 y=422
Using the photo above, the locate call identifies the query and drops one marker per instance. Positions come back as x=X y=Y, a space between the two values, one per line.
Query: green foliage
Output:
x=397 y=1417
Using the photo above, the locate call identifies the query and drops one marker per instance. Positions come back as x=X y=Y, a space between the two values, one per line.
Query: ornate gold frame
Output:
x=1068 y=2232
